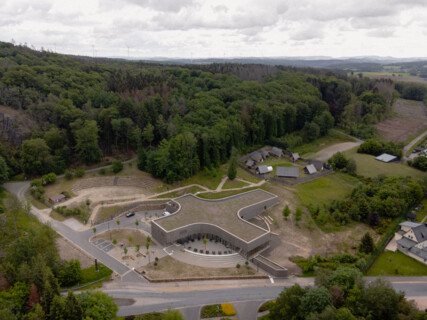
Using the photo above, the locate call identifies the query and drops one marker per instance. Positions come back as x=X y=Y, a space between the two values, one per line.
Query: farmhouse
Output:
x=385 y=157
x=265 y=154
x=310 y=169
x=318 y=164
x=276 y=152
x=295 y=156
x=264 y=169
x=256 y=156
x=223 y=220
x=56 y=199
x=411 y=239
x=250 y=164
x=287 y=172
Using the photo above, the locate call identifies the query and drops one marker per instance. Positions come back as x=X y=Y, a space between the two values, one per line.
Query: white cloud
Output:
x=209 y=28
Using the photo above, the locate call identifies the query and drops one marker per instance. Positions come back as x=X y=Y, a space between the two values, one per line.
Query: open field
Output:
x=308 y=150
x=242 y=174
x=175 y=194
x=106 y=212
x=405 y=77
x=68 y=251
x=207 y=178
x=123 y=236
x=336 y=186
x=223 y=194
x=171 y=268
x=397 y=264
x=369 y=167
x=411 y=121
x=231 y=184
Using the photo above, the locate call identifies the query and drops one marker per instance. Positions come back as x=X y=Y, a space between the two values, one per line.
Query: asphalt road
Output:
x=246 y=299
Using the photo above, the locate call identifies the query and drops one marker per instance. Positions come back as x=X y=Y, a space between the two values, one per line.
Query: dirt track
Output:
x=328 y=152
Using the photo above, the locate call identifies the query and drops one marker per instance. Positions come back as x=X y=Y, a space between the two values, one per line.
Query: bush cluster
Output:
x=376 y=148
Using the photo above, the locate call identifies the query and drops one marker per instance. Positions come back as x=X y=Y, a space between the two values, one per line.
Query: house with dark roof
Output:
x=295 y=156
x=287 y=172
x=250 y=164
x=256 y=156
x=318 y=164
x=264 y=154
x=264 y=169
x=56 y=199
x=276 y=152
x=411 y=239
x=310 y=169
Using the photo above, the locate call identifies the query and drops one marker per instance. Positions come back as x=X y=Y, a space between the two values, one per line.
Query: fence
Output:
x=304 y=179
x=381 y=246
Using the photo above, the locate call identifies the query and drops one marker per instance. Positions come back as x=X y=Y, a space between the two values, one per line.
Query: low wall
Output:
x=270 y=267
x=203 y=278
x=304 y=179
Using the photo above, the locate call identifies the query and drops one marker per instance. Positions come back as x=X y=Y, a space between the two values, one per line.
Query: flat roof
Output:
x=385 y=157
x=222 y=213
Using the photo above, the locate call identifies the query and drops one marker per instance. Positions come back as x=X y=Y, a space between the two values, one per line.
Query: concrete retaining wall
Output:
x=270 y=267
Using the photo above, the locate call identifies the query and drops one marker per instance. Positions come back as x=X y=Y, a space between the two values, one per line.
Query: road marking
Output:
x=271 y=279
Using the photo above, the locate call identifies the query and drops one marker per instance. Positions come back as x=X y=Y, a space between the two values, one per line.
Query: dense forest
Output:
x=179 y=119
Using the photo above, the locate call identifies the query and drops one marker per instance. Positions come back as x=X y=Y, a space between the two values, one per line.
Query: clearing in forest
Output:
x=411 y=121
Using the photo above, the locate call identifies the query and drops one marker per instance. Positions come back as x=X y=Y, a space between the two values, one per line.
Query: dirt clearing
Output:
x=68 y=251
x=413 y=120
x=328 y=152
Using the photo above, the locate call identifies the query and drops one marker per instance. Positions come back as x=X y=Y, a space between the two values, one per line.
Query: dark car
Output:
x=130 y=214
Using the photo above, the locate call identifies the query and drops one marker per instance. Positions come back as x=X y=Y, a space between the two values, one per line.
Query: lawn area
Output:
x=231 y=184
x=57 y=216
x=106 y=212
x=369 y=167
x=175 y=194
x=224 y=194
x=207 y=178
x=90 y=275
x=333 y=137
x=336 y=186
x=397 y=263
x=125 y=236
x=422 y=211
x=242 y=174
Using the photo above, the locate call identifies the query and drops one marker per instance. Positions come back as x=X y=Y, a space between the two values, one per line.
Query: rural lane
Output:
x=411 y=144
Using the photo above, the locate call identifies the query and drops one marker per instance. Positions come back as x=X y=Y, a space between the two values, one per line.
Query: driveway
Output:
x=328 y=152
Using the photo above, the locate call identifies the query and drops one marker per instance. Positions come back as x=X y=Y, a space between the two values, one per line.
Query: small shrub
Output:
x=238 y=266
x=102 y=171
x=114 y=241
x=79 y=172
x=228 y=309
x=117 y=166
x=68 y=174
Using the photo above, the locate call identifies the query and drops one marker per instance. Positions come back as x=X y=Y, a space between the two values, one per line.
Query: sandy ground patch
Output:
x=68 y=251
x=170 y=268
x=414 y=119
x=328 y=152
x=399 y=129
x=74 y=224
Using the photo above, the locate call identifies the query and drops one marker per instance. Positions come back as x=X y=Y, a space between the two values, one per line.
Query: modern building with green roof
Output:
x=224 y=220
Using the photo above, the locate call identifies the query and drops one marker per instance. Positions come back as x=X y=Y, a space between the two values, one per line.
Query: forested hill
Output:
x=179 y=119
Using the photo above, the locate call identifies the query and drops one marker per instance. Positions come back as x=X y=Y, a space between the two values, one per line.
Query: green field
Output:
x=369 y=167
x=336 y=186
x=231 y=184
x=175 y=194
x=333 y=137
x=106 y=212
x=397 y=263
x=223 y=194
x=207 y=178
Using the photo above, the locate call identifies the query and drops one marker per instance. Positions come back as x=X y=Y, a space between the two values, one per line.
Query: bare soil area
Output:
x=127 y=237
x=399 y=129
x=68 y=251
x=328 y=152
x=168 y=267
x=413 y=120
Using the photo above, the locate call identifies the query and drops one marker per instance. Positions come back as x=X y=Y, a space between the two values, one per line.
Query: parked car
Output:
x=130 y=214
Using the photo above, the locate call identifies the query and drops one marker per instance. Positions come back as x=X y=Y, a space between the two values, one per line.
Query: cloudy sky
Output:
x=233 y=28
